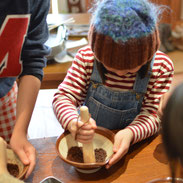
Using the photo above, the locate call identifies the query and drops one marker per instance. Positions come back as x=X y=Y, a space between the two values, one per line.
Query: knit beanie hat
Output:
x=123 y=33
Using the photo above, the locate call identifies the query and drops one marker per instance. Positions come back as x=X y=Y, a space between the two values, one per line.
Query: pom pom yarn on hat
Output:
x=123 y=33
x=125 y=19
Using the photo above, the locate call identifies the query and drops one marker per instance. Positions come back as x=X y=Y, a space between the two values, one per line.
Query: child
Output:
x=22 y=56
x=172 y=128
x=120 y=76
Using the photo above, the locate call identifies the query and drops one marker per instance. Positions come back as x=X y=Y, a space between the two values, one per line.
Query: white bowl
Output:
x=103 y=138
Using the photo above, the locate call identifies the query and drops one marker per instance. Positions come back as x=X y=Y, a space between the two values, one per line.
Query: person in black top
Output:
x=23 y=32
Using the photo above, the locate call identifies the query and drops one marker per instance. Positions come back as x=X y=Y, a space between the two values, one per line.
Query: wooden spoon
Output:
x=88 y=151
x=5 y=177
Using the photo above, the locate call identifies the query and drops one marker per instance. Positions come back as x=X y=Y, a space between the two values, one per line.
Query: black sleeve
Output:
x=34 y=50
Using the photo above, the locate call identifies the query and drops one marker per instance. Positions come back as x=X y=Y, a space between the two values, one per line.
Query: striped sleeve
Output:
x=147 y=122
x=72 y=91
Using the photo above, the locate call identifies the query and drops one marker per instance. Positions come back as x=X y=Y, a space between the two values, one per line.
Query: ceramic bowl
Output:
x=166 y=180
x=103 y=138
x=12 y=158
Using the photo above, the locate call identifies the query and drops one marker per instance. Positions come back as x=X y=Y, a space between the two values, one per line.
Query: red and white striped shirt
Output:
x=72 y=91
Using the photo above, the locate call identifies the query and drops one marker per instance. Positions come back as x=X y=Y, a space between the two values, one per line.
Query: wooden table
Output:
x=145 y=161
x=54 y=73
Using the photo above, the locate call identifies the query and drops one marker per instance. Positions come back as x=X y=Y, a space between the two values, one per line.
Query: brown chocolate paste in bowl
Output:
x=75 y=154
x=13 y=169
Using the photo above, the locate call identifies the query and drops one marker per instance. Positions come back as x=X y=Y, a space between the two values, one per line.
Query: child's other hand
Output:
x=121 y=145
x=83 y=132
x=25 y=150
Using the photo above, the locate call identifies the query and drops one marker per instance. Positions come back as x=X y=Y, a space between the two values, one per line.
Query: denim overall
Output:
x=113 y=109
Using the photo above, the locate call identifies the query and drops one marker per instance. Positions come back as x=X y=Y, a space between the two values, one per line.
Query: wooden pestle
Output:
x=5 y=177
x=88 y=151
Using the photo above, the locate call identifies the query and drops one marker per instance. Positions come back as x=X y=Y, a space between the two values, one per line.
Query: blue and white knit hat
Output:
x=123 y=33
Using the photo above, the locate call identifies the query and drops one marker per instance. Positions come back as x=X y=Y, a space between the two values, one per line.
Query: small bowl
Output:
x=166 y=180
x=103 y=138
x=12 y=158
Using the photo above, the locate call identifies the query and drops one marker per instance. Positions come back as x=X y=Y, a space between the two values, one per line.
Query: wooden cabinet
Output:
x=172 y=11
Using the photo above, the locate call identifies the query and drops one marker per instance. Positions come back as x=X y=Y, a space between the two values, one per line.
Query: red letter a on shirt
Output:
x=12 y=34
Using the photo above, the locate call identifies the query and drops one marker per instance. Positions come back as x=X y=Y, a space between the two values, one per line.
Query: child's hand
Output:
x=121 y=145
x=24 y=149
x=4 y=173
x=82 y=132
